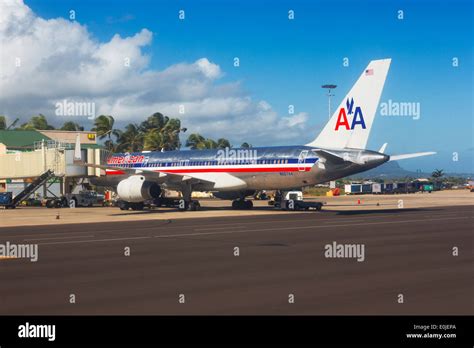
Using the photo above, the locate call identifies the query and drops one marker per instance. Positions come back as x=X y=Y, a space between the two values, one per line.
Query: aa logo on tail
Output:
x=357 y=116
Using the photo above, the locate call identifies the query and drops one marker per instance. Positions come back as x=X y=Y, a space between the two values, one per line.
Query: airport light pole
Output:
x=330 y=94
x=332 y=184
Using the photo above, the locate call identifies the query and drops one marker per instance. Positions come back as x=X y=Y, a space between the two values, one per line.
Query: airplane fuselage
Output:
x=261 y=168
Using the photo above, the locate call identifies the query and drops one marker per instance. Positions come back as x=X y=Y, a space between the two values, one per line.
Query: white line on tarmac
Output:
x=361 y=219
x=268 y=222
x=246 y=231
x=68 y=237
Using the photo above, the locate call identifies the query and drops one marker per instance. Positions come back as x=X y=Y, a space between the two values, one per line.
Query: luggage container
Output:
x=367 y=188
x=353 y=188
x=6 y=198
x=376 y=188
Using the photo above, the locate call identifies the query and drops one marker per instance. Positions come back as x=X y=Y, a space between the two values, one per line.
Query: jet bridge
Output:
x=55 y=157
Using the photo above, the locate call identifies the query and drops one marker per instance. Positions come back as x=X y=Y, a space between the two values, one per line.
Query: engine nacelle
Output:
x=137 y=189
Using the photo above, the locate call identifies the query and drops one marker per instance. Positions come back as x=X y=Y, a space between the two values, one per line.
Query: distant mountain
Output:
x=392 y=170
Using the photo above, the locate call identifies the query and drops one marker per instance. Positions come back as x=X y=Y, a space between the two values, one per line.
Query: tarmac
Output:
x=417 y=260
x=34 y=216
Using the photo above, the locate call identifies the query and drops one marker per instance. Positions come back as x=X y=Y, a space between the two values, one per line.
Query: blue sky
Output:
x=285 y=62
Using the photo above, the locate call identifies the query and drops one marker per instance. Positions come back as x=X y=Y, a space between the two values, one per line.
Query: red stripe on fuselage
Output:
x=222 y=170
x=234 y=170
x=114 y=172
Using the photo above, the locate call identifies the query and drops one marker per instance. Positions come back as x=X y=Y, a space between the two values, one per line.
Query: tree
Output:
x=3 y=123
x=131 y=140
x=71 y=126
x=197 y=142
x=154 y=140
x=155 y=121
x=104 y=126
x=246 y=146
x=223 y=143
x=37 y=122
x=161 y=132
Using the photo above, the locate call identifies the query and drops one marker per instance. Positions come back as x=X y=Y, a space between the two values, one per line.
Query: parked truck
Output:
x=72 y=200
x=293 y=200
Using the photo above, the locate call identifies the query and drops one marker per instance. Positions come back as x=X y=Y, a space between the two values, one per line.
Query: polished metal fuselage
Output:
x=269 y=168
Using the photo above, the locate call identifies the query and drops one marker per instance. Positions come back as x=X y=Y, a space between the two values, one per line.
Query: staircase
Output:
x=42 y=179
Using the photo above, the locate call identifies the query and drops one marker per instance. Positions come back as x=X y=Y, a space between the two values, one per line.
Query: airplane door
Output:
x=302 y=160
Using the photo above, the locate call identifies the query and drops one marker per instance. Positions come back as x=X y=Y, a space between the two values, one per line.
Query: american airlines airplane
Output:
x=233 y=174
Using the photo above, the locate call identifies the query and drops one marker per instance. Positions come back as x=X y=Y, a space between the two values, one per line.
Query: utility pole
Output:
x=330 y=94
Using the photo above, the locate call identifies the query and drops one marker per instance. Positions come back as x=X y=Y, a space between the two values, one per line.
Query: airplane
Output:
x=236 y=173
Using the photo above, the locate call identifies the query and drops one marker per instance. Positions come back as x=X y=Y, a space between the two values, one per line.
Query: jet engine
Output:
x=137 y=189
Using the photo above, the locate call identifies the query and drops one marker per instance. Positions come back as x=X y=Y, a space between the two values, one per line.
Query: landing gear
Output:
x=127 y=205
x=242 y=204
x=137 y=206
x=189 y=206
x=123 y=205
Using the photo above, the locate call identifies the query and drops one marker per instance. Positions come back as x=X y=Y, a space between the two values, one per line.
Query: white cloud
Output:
x=60 y=59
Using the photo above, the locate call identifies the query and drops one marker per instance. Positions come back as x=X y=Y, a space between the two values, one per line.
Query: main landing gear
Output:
x=127 y=205
x=186 y=203
x=242 y=204
x=189 y=205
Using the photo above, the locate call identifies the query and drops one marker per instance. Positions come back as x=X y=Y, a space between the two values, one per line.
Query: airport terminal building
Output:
x=28 y=154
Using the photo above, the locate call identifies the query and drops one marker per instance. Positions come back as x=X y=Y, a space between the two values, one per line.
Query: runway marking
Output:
x=362 y=218
x=245 y=231
x=272 y=222
x=96 y=240
x=307 y=219
x=66 y=237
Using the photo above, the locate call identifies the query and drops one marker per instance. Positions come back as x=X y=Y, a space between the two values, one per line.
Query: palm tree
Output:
x=104 y=126
x=155 y=121
x=37 y=122
x=154 y=140
x=131 y=139
x=223 y=143
x=71 y=126
x=198 y=142
x=161 y=132
x=194 y=140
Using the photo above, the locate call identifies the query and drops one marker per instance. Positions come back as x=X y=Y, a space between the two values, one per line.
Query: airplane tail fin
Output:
x=350 y=125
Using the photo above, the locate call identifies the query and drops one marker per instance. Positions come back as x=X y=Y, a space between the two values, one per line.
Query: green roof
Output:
x=20 y=139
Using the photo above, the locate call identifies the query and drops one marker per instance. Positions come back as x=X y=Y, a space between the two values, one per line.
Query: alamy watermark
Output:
x=404 y=109
x=19 y=251
x=74 y=108
x=348 y=251
x=228 y=155
x=28 y=330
